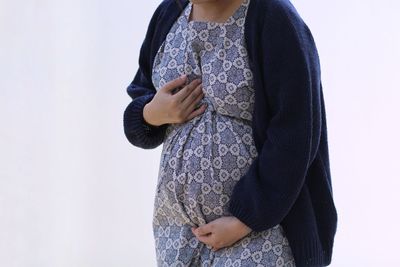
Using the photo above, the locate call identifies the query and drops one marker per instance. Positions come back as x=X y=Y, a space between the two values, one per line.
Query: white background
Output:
x=75 y=193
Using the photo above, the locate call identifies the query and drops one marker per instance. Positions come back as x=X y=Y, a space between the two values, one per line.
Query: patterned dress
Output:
x=203 y=158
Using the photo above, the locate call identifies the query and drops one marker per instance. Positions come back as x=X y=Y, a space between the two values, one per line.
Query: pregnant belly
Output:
x=201 y=162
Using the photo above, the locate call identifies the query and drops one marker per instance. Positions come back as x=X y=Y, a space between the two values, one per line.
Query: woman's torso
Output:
x=203 y=158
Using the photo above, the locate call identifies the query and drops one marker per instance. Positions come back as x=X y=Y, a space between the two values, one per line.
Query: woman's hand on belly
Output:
x=222 y=232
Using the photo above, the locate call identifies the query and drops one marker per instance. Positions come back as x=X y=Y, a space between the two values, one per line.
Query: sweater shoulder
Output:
x=166 y=5
x=161 y=9
x=160 y=15
x=165 y=10
x=284 y=25
x=282 y=13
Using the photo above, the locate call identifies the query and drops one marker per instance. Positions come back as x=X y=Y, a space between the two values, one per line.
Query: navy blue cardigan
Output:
x=289 y=182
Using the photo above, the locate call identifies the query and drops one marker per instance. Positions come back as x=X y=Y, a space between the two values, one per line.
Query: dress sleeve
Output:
x=141 y=90
x=291 y=80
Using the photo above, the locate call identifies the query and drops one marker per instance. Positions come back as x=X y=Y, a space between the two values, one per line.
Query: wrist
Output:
x=246 y=229
x=146 y=116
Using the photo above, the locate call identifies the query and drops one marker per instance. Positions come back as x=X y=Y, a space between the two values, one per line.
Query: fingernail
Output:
x=183 y=76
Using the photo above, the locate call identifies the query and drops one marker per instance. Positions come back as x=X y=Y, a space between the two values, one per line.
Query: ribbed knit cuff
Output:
x=236 y=209
x=307 y=251
x=137 y=130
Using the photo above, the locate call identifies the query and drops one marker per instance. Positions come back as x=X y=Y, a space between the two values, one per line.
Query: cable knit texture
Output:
x=289 y=182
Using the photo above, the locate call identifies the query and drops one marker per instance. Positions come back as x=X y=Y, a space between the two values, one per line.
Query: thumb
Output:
x=171 y=85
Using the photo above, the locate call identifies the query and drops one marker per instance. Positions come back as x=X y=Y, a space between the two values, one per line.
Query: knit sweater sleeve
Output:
x=141 y=90
x=291 y=80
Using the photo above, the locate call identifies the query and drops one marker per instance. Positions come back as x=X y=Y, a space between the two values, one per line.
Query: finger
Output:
x=193 y=97
x=178 y=82
x=192 y=107
x=185 y=91
x=195 y=232
x=197 y=112
x=215 y=249
x=204 y=229
x=206 y=239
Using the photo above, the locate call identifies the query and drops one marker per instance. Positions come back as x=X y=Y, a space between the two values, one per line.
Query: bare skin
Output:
x=166 y=107
x=222 y=232
x=213 y=10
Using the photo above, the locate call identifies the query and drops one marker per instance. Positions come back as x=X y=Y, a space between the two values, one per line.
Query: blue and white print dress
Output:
x=203 y=158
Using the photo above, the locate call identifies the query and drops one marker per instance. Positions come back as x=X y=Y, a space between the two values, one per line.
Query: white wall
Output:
x=72 y=190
